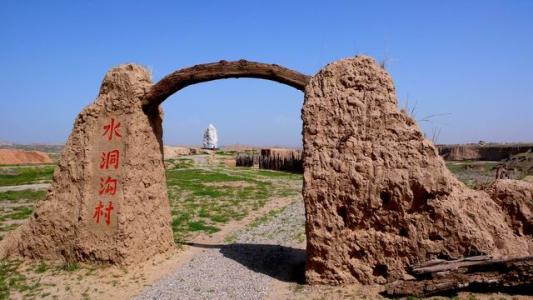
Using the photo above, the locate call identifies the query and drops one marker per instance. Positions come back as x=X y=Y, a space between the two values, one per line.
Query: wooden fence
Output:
x=289 y=160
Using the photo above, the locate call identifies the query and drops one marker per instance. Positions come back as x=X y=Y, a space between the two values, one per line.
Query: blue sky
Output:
x=471 y=61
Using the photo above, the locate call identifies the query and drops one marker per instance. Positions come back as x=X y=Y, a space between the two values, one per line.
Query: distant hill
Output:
x=48 y=148
x=483 y=151
x=22 y=157
x=51 y=151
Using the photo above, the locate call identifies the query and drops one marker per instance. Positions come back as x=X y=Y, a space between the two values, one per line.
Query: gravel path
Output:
x=244 y=269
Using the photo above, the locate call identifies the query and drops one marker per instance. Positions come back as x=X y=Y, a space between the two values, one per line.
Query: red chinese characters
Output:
x=109 y=159
x=104 y=211
x=109 y=163
x=108 y=186
x=111 y=129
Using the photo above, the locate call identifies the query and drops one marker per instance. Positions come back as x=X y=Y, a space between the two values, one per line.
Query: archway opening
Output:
x=229 y=209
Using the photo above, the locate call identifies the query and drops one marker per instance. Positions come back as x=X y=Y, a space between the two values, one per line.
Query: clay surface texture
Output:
x=108 y=201
x=378 y=196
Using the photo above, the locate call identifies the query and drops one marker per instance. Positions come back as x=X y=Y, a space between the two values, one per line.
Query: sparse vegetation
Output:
x=25 y=174
x=204 y=198
x=16 y=207
x=71 y=267
x=473 y=174
x=226 y=153
x=22 y=195
x=266 y=217
x=13 y=280
x=180 y=163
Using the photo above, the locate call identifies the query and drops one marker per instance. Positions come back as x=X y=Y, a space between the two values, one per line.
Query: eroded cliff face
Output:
x=108 y=201
x=378 y=196
x=489 y=152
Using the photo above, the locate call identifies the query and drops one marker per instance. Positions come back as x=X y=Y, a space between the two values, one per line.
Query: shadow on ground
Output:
x=280 y=262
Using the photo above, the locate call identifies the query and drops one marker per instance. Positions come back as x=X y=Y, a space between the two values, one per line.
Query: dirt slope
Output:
x=17 y=157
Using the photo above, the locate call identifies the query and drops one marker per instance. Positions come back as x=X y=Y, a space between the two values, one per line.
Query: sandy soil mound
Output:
x=16 y=157
x=519 y=165
x=516 y=198
x=170 y=152
x=378 y=196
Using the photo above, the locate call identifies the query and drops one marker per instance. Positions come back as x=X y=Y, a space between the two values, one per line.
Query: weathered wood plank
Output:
x=440 y=266
x=480 y=272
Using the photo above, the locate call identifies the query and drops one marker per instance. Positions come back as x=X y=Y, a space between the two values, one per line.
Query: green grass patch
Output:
x=212 y=175
x=22 y=195
x=11 y=279
x=7 y=227
x=180 y=163
x=41 y=268
x=221 y=218
x=70 y=267
x=226 y=153
x=18 y=213
x=204 y=198
x=473 y=173
x=231 y=238
x=265 y=218
x=201 y=226
x=455 y=168
x=300 y=236
x=25 y=175
x=277 y=174
x=268 y=174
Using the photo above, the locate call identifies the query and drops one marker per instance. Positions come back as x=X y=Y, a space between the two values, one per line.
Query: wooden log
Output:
x=220 y=70
x=441 y=266
x=480 y=273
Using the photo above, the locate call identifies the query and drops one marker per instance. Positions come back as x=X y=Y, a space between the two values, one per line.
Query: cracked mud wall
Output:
x=378 y=196
x=64 y=225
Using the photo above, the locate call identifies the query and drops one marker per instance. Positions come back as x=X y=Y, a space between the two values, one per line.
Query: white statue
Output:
x=210 y=137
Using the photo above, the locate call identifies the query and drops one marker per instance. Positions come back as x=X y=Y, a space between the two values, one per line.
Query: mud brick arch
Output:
x=377 y=195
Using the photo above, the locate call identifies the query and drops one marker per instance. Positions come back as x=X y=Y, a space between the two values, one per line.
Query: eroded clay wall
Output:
x=378 y=196
x=108 y=201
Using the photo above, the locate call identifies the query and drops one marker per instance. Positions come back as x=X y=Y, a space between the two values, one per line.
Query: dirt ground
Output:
x=111 y=282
